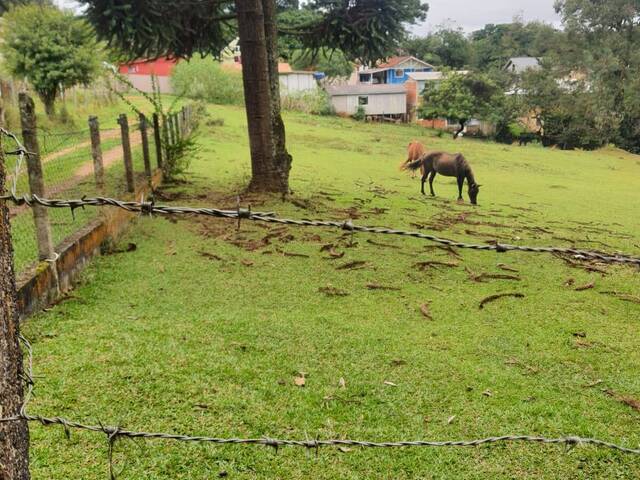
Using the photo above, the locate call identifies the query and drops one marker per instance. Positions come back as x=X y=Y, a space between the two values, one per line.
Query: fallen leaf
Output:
x=626 y=399
x=586 y=286
x=487 y=393
x=569 y=282
x=210 y=256
x=332 y=291
x=492 y=298
x=396 y=362
x=299 y=381
x=507 y=268
x=579 y=334
x=344 y=449
x=451 y=419
x=593 y=384
x=355 y=265
x=424 y=309
x=203 y=406
x=246 y=263
x=391 y=384
x=342 y=383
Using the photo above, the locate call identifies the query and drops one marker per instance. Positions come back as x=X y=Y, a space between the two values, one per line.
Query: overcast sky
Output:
x=470 y=14
x=474 y=14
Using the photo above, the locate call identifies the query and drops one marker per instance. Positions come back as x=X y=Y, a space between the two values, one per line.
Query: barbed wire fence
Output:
x=114 y=433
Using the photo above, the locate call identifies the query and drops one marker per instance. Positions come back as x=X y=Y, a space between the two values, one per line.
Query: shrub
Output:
x=315 y=102
x=360 y=114
x=205 y=79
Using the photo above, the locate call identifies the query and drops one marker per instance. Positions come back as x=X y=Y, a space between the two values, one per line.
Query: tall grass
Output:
x=205 y=79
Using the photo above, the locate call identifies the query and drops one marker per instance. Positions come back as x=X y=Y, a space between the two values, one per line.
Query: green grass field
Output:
x=203 y=329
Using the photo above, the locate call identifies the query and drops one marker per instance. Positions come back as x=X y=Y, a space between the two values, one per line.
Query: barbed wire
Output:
x=20 y=152
x=150 y=208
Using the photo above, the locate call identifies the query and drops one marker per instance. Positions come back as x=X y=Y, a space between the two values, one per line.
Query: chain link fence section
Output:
x=69 y=170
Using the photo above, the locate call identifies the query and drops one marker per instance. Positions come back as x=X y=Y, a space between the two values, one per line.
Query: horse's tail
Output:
x=415 y=165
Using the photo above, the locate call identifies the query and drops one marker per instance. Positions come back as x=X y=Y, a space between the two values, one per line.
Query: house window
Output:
x=363 y=100
x=399 y=73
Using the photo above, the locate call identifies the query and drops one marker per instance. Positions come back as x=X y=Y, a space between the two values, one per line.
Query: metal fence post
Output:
x=183 y=116
x=14 y=436
x=145 y=146
x=126 y=150
x=96 y=151
x=36 y=181
x=156 y=139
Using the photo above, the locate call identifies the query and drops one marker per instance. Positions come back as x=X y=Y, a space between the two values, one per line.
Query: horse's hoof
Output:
x=460 y=200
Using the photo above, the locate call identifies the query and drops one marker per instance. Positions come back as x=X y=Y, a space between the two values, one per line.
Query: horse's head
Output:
x=474 y=189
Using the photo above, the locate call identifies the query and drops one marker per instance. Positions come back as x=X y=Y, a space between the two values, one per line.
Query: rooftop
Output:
x=365 y=89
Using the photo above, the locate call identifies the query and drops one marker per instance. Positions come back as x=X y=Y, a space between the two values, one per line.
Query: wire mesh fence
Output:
x=69 y=170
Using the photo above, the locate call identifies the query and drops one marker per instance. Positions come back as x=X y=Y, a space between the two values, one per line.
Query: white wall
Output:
x=143 y=82
x=379 y=104
x=297 y=82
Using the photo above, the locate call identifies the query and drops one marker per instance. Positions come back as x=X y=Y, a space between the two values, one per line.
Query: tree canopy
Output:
x=446 y=47
x=461 y=97
x=52 y=49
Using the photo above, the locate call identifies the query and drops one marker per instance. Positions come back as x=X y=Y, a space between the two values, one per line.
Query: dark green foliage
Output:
x=52 y=49
x=462 y=97
x=333 y=63
x=493 y=45
x=445 y=48
x=204 y=79
x=360 y=114
x=293 y=20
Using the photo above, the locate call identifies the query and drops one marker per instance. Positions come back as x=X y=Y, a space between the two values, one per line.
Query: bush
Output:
x=360 y=114
x=204 y=79
x=315 y=102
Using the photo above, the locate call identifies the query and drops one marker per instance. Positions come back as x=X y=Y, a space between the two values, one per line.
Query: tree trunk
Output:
x=282 y=159
x=49 y=102
x=257 y=94
x=460 y=130
x=14 y=435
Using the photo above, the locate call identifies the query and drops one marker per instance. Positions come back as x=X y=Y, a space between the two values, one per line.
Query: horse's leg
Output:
x=460 y=185
x=424 y=179
x=431 y=177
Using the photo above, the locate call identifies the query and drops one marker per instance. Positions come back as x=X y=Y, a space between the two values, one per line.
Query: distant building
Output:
x=519 y=65
x=139 y=73
x=378 y=101
x=396 y=70
x=297 y=81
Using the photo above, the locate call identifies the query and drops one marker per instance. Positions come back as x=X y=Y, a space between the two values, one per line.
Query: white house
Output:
x=377 y=100
x=297 y=81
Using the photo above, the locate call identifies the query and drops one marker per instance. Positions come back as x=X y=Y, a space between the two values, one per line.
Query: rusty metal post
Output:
x=96 y=151
x=126 y=151
x=145 y=147
x=14 y=435
x=36 y=180
x=157 y=139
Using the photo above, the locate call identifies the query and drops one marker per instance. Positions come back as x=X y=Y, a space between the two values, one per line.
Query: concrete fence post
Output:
x=96 y=151
x=36 y=180
x=145 y=146
x=126 y=151
x=14 y=436
x=157 y=139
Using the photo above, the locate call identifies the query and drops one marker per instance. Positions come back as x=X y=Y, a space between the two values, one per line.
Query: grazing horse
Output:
x=449 y=165
x=414 y=151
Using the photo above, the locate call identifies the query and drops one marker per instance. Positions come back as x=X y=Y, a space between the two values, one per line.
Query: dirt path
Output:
x=109 y=158
x=104 y=135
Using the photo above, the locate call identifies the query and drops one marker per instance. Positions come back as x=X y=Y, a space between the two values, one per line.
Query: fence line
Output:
x=150 y=208
x=114 y=433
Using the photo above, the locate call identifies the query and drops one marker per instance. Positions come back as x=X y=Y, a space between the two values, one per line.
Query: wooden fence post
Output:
x=185 y=128
x=166 y=136
x=36 y=181
x=145 y=147
x=126 y=151
x=156 y=139
x=14 y=435
x=96 y=151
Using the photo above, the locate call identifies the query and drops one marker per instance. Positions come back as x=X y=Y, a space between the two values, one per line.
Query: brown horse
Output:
x=415 y=150
x=449 y=165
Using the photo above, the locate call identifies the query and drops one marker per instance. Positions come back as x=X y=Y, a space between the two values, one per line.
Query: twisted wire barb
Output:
x=20 y=151
x=269 y=217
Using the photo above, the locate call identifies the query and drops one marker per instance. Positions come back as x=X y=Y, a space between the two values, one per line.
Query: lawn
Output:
x=203 y=329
